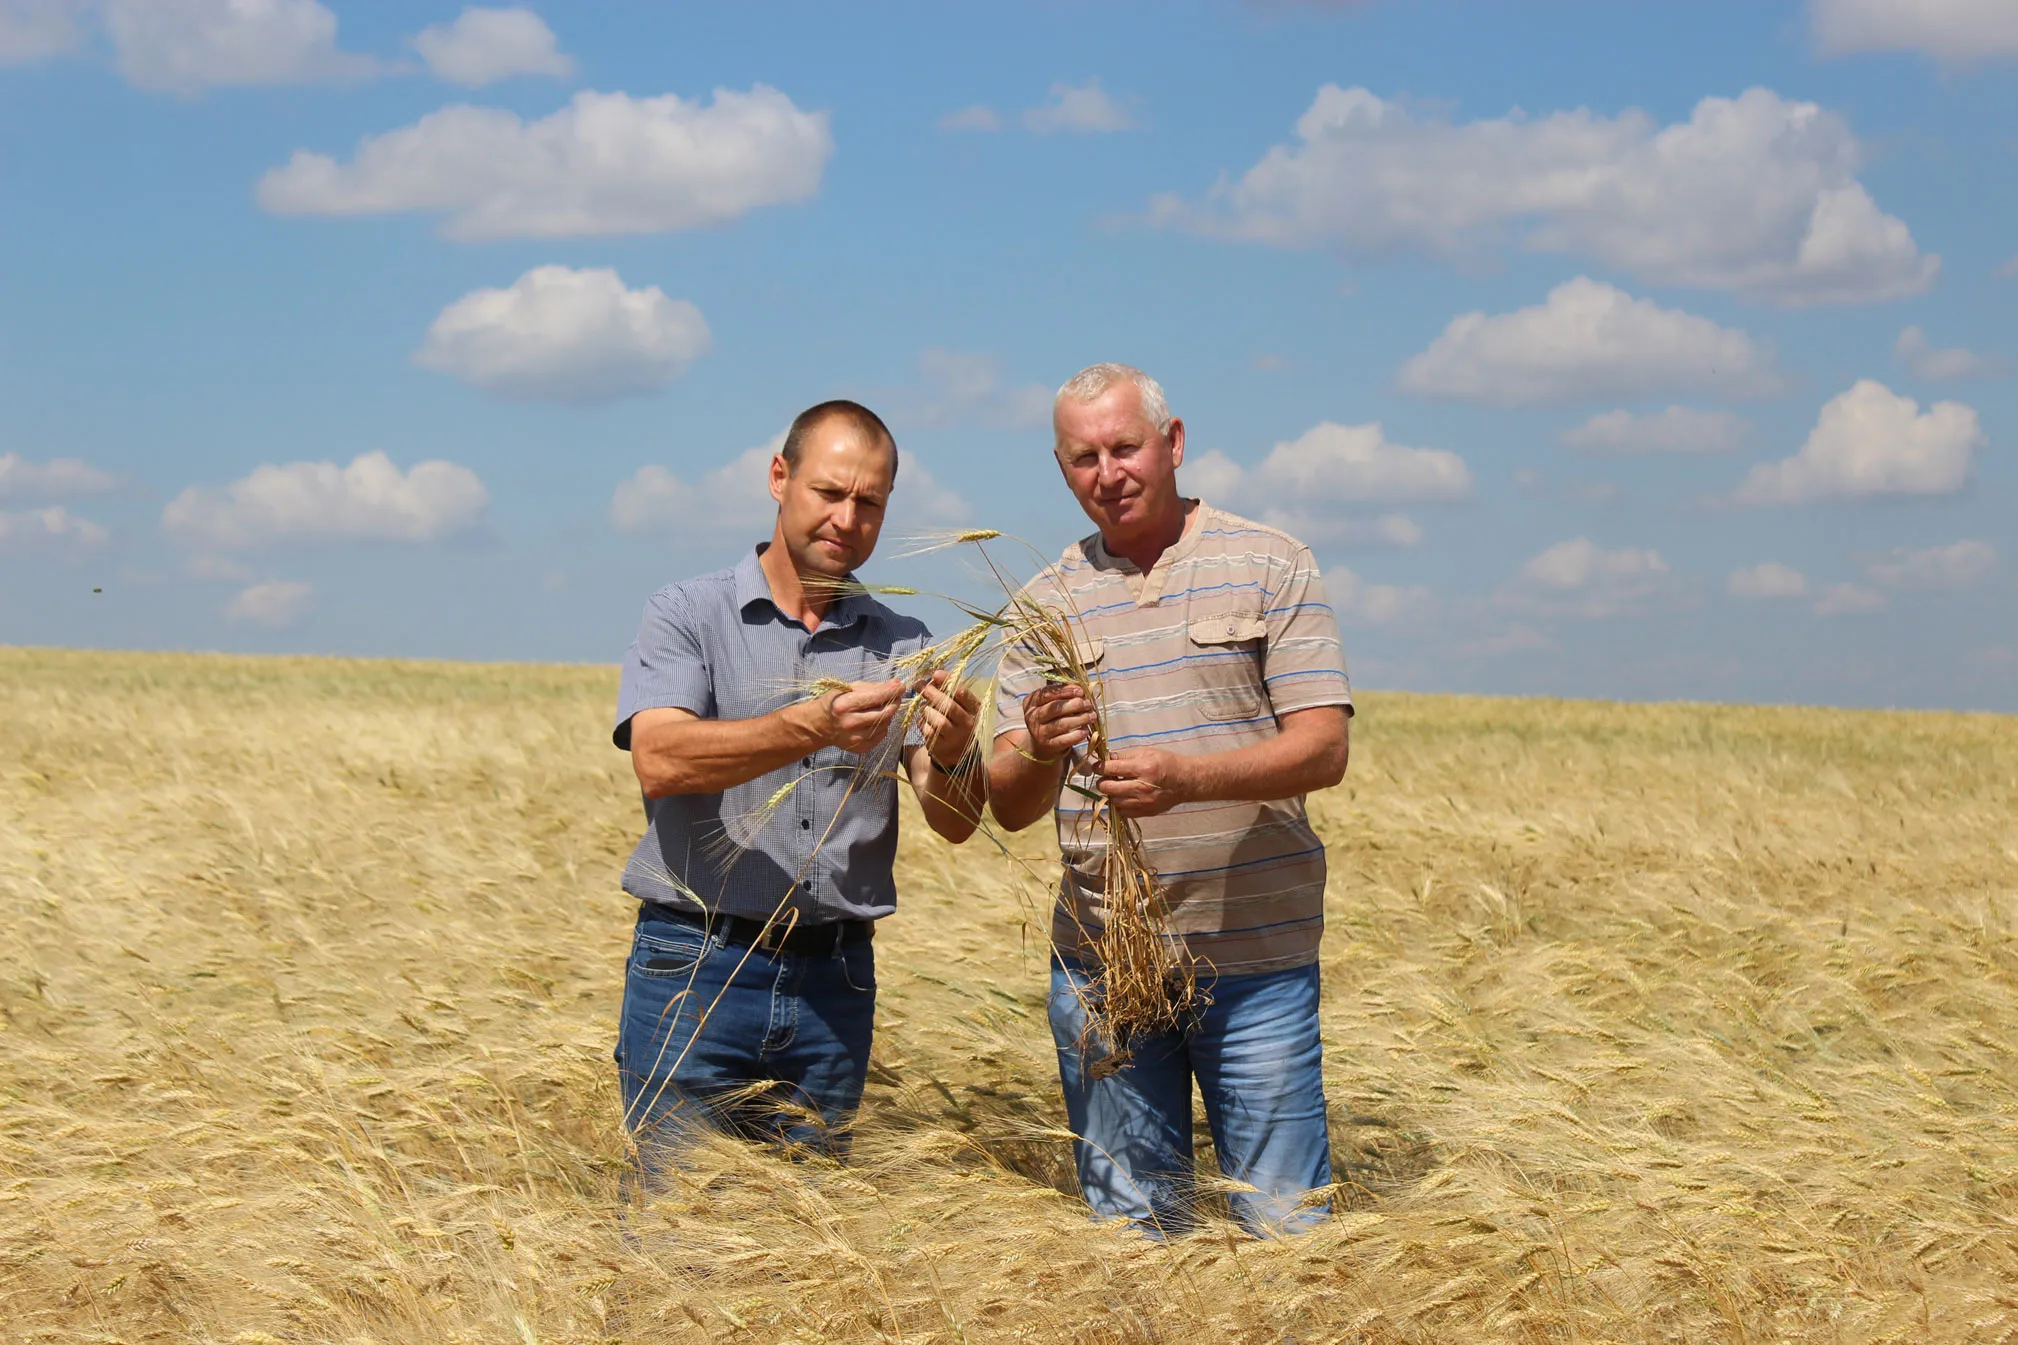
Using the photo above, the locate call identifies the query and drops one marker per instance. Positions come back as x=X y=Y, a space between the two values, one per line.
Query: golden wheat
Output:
x=1643 y=1023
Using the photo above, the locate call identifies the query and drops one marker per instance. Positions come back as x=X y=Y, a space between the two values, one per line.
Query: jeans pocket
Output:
x=858 y=966
x=667 y=955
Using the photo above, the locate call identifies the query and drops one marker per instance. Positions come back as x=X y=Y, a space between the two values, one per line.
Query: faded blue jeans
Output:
x=769 y=1046
x=1253 y=1048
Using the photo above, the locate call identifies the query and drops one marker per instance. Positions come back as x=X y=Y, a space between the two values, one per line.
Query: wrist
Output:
x=808 y=721
x=963 y=765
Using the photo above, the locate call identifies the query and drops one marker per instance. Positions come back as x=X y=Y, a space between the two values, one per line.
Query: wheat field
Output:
x=1643 y=1023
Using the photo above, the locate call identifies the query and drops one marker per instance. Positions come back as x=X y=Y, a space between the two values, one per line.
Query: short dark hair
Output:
x=859 y=417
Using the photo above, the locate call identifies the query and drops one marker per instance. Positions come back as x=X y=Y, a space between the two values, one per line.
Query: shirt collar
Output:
x=752 y=586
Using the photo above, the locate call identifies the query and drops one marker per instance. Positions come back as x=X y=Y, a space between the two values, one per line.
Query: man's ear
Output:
x=781 y=472
x=1176 y=437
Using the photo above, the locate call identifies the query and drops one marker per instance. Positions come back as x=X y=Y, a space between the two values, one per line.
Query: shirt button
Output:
x=1229 y=628
x=805 y=824
x=807 y=763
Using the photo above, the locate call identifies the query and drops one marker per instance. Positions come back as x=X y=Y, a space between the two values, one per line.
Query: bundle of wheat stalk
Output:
x=1143 y=980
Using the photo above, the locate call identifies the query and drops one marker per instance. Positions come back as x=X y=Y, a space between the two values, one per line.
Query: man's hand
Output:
x=855 y=720
x=950 y=716
x=1058 y=718
x=1145 y=782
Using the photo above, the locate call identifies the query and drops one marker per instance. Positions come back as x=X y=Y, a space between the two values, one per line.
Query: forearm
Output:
x=952 y=804
x=1020 y=789
x=707 y=756
x=1308 y=755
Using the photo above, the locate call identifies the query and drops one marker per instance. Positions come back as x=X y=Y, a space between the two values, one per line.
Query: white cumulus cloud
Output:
x=734 y=500
x=1581 y=579
x=1922 y=360
x=274 y=603
x=974 y=117
x=1355 y=464
x=1847 y=599
x=1957 y=565
x=1588 y=339
x=1871 y=442
x=1958 y=31
x=35 y=30
x=1326 y=481
x=1080 y=108
x=369 y=500
x=922 y=500
x=956 y=387
x=607 y=163
x=563 y=335
x=1359 y=603
x=56 y=479
x=1678 y=429
x=1768 y=580
x=183 y=46
x=483 y=46
x=1756 y=194
x=53 y=531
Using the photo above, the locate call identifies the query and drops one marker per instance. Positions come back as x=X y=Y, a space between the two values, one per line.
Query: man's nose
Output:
x=1110 y=470
x=844 y=515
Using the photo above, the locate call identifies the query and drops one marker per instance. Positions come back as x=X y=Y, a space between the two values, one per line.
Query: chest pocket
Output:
x=1229 y=678
x=1090 y=652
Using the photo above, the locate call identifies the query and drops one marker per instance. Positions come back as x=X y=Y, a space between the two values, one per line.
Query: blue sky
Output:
x=1598 y=350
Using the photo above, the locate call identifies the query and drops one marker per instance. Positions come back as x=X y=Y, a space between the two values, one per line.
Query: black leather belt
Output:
x=798 y=938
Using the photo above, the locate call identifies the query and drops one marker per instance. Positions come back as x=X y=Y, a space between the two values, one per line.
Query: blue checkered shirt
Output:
x=721 y=648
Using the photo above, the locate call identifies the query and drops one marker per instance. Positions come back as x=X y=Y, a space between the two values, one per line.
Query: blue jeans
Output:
x=1253 y=1047
x=769 y=1046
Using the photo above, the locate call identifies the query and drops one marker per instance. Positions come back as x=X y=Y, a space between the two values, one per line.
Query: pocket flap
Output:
x=1229 y=628
x=1088 y=652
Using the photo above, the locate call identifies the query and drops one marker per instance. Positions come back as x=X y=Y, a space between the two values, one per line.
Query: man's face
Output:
x=831 y=509
x=1123 y=473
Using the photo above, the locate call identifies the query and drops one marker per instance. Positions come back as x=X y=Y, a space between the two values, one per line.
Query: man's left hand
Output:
x=951 y=712
x=1146 y=781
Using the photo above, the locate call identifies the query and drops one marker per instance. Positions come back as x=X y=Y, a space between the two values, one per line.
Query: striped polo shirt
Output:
x=1227 y=631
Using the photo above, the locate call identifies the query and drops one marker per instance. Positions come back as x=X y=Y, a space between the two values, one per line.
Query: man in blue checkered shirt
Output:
x=751 y=984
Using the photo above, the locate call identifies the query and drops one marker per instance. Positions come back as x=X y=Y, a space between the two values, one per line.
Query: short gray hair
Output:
x=1094 y=380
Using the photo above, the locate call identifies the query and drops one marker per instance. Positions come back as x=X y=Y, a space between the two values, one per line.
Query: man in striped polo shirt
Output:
x=1225 y=696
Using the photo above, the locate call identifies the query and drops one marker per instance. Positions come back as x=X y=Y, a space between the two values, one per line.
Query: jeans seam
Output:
x=790 y=1006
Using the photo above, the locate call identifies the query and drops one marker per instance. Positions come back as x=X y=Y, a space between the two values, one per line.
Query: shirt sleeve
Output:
x=1303 y=663
x=667 y=666
x=1016 y=675
x=1015 y=678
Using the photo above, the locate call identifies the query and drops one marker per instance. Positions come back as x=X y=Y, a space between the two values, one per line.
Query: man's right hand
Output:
x=856 y=719
x=1058 y=719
